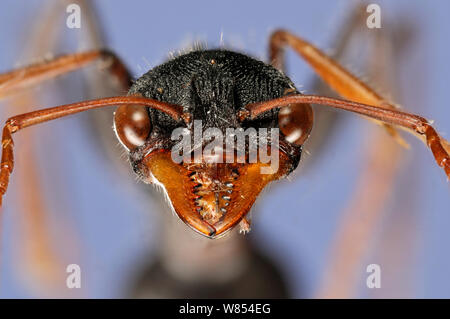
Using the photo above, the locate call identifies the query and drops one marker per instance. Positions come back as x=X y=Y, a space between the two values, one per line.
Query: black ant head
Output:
x=211 y=185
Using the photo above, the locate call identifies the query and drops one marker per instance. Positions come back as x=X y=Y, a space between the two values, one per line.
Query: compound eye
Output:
x=132 y=125
x=295 y=122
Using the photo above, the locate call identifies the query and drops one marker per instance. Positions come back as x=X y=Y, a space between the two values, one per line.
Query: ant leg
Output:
x=22 y=121
x=244 y=226
x=15 y=80
x=413 y=123
x=331 y=72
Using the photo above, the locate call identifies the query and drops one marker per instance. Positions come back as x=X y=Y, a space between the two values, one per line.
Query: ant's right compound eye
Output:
x=295 y=122
x=132 y=125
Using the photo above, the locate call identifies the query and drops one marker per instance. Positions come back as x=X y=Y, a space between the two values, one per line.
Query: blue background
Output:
x=294 y=222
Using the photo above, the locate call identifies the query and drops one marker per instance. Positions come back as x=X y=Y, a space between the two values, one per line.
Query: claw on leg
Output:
x=244 y=226
x=440 y=149
x=7 y=162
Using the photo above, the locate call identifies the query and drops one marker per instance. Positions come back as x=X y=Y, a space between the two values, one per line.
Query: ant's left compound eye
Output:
x=295 y=122
x=132 y=125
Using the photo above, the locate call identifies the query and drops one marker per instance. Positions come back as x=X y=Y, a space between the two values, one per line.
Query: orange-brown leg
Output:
x=34 y=255
x=331 y=72
x=19 y=122
x=13 y=81
x=352 y=88
x=18 y=79
x=337 y=77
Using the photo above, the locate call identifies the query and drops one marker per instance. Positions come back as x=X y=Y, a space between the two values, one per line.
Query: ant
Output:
x=223 y=89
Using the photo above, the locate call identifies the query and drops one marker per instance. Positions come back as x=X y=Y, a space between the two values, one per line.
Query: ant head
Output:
x=212 y=186
x=211 y=180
